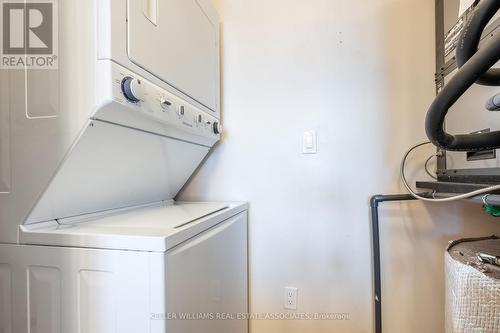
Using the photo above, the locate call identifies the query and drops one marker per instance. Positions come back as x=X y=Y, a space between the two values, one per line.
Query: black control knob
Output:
x=127 y=90
x=217 y=128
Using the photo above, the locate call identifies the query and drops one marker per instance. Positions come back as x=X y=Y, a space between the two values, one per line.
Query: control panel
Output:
x=144 y=97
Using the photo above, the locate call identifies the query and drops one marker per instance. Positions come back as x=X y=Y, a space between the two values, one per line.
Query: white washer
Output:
x=161 y=268
x=92 y=155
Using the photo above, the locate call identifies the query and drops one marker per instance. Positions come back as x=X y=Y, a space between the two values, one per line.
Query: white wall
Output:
x=361 y=74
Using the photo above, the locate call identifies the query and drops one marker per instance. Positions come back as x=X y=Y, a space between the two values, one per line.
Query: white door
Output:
x=177 y=40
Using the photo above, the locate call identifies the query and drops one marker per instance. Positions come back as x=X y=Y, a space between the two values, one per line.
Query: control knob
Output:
x=217 y=127
x=165 y=104
x=131 y=89
x=181 y=111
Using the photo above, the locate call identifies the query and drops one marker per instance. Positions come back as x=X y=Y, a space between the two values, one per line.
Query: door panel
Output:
x=5 y=299
x=5 y=177
x=44 y=299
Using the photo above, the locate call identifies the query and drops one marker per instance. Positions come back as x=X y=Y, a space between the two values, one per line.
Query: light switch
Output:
x=309 y=143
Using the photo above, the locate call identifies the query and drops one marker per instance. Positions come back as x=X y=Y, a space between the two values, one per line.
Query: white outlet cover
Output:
x=291 y=298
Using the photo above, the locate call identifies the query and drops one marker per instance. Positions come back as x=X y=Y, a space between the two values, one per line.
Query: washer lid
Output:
x=113 y=167
x=154 y=228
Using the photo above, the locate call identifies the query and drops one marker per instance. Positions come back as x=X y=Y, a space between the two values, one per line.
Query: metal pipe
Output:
x=374 y=204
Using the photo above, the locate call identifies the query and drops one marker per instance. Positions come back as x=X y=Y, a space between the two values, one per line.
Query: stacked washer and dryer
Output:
x=93 y=155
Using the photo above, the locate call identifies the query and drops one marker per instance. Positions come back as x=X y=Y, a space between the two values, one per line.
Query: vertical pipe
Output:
x=376 y=263
x=377 y=278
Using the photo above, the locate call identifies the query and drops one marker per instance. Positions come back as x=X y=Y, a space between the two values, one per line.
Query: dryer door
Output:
x=181 y=46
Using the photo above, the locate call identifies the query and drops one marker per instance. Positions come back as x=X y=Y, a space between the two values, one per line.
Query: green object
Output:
x=492 y=210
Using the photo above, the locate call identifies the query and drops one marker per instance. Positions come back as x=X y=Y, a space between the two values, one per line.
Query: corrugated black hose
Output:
x=471 y=36
x=474 y=69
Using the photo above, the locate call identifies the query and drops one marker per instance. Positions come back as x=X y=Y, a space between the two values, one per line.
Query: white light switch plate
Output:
x=309 y=143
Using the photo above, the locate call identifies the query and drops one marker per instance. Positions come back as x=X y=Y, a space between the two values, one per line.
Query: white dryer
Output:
x=92 y=155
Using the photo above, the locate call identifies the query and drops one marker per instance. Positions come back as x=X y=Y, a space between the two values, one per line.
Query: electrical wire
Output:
x=426 y=166
x=449 y=199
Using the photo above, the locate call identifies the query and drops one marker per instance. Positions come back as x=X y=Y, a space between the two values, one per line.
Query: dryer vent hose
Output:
x=471 y=36
x=475 y=66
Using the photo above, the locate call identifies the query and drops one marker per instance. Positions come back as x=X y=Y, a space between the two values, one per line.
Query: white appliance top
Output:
x=155 y=228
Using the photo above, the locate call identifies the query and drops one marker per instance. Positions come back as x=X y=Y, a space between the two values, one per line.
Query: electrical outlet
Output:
x=291 y=298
